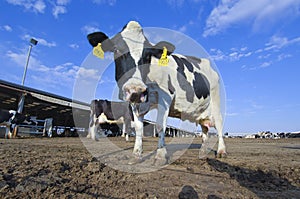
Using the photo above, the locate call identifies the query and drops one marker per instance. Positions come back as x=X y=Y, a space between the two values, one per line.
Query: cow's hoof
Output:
x=161 y=157
x=160 y=162
x=203 y=151
x=135 y=159
x=221 y=154
x=8 y=135
x=95 y=139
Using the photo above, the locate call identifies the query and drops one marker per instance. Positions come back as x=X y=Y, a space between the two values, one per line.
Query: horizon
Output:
x=254 y=45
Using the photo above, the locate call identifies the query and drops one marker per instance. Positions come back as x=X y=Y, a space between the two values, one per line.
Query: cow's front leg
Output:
x=161 y=122
x=138 y=145
x=126 y=129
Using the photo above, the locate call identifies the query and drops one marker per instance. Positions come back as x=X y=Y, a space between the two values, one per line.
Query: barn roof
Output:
x=44 y=105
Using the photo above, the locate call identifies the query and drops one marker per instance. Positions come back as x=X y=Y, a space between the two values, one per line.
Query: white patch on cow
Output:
x=136 y=45
x=14 y=115
x=138 y=124
x=189 y=76
x=102 y=118
x=133 y=85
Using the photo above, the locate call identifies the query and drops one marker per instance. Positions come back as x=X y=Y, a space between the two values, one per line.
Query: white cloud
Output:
x=74 y=46
x=217 y=54
x=38 y=6
x=89 y=29
x=243 y=48
x=276 y=42
x=6 y=28
x=258 y=13
x=283 y=56
x=264 y=56
x=266 y=64
x=62 y=2
x=232 y=114
x=109 y=2
x=59 y=75
x=87 y=73
x=182 y=29
x=62 y=75
x=235 y=55
x=20 y=59
x=60 y=7
x=58 y=10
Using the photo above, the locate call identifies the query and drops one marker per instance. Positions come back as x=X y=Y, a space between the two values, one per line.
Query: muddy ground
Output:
x=64 y=168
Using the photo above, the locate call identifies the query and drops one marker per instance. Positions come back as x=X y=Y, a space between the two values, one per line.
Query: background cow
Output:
x=104 y=111
x=187 y=87
x=10 y=119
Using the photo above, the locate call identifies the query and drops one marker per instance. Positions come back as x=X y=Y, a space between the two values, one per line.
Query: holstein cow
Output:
x=187 y=87
x=104 y=111
x=10 y=119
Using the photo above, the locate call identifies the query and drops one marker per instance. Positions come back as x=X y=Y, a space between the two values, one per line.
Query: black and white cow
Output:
x=104 y=111
x=10 y=119
x=187 y=88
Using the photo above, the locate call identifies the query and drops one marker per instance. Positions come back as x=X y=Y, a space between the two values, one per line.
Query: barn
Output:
x=43 y=105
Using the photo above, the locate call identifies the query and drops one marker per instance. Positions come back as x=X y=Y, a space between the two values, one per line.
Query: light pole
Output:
x=33 y=42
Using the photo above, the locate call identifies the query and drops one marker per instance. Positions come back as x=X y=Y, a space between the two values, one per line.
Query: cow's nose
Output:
x=134 y=98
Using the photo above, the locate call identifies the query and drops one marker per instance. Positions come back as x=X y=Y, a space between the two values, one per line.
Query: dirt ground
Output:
x=65 y=168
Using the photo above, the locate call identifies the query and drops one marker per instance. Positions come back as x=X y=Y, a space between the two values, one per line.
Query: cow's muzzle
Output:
x=135 y=91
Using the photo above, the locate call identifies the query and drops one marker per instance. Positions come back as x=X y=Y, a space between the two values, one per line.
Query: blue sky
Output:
x=255 y=45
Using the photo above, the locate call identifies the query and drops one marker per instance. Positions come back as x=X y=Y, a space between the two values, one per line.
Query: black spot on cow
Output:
x=187 y=64
x=195 y=61
x=201 y=85
x=125 y=68
x=183 y=83
x=170 y=86
x=144 y=62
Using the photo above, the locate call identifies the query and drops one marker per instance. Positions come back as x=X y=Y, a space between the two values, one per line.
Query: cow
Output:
x=187 y=87
x=104 y=111
x=11 y=118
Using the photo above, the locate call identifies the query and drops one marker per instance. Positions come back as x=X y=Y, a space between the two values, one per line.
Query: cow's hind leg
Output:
x=205 y=145
x=218 y=120
x=93 y=127
x=8 y=131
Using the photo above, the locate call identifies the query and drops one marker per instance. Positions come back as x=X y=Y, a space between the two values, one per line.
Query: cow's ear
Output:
x=99 y=37
x=157 y=50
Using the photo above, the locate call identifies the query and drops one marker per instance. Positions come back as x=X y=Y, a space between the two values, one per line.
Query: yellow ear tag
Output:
x=164 y=61
x=98 y=52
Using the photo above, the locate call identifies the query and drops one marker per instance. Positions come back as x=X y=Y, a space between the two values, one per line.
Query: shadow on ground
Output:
x=263 y=184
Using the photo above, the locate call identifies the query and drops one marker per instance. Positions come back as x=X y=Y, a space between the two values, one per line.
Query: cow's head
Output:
x=132 y=55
